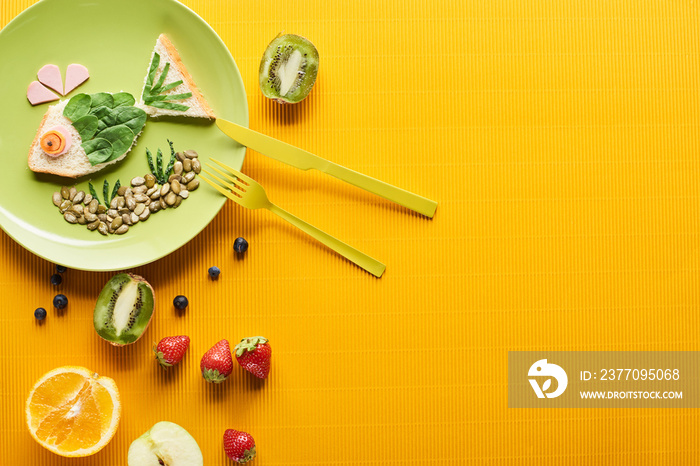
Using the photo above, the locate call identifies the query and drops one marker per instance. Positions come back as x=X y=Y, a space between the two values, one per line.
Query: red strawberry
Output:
x=239 y=446
x=254 y=354
x=170 y=350
x=216 y=363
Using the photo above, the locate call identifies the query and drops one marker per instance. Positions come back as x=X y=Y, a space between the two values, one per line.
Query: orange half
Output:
x=72 y=411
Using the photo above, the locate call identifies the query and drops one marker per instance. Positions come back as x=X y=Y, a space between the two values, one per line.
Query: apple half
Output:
x=165 y=444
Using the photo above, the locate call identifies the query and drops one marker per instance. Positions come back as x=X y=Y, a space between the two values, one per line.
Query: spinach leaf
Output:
x=78 y=106
x=123 y=99
x=167 y=87
x=154 y=94
x=157 y=98
x=106 y=117
x=98 y=150
x=169 y=106
x=120 y=137
x=133 y=117
x=107 y=124
x=86 y=126
x=164 y=74
x=102 y=99
x=152 y=70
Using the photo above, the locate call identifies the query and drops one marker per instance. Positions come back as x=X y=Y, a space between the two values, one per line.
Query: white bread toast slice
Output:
x=197 y=104
x=74 y=163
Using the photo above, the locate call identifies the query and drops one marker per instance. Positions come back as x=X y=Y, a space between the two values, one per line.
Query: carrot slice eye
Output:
x=52 y=142
x=55 y=142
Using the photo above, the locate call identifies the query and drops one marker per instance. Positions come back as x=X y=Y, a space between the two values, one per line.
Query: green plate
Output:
x=114 y=40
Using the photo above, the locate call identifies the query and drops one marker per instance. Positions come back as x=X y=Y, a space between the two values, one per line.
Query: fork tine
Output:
x=233 y=178
x=226 y=193
x=235 y=189
x=236 y=173
x=232 y=187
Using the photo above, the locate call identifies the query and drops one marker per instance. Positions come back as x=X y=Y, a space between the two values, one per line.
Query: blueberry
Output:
x=60 y=268
x=56 y=279
x=180 y=302
x=40 y=313
x=214 y=272
x=60 y=301
x=240 y=245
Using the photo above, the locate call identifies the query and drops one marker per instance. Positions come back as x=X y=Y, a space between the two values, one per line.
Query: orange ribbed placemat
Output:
x=561 y=141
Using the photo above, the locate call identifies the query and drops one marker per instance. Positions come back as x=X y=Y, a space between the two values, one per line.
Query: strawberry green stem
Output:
x=249 y=344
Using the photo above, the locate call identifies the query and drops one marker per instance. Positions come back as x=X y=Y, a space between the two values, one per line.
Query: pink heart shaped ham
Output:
x=37 y=93
x=75 y=75
x=50 y=76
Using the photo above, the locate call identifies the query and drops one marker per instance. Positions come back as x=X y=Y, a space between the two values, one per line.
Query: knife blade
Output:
x=304 y=160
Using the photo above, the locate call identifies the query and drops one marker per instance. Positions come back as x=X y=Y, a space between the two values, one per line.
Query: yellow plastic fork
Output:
x=247 y=192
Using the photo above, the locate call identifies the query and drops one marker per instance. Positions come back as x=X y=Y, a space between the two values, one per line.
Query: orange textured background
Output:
x=561 y=141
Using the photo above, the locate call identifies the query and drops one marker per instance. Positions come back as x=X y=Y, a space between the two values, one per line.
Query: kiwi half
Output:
x=288 y=69
x=124 y=309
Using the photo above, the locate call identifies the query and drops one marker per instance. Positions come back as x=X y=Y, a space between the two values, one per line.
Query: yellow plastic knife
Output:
x=304 y=160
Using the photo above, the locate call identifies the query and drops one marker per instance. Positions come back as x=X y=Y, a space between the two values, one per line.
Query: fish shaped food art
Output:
x=89 y=132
